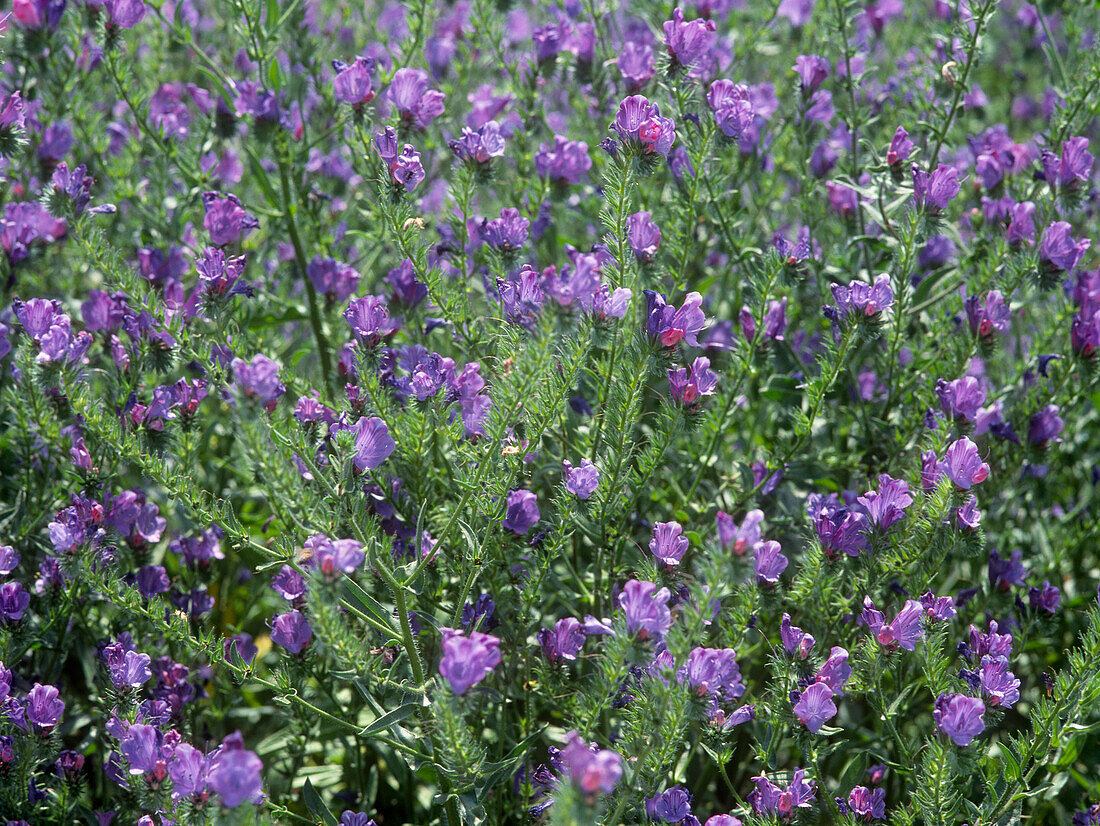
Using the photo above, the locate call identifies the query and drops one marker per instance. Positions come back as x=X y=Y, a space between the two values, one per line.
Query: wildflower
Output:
x=13 y=601
x=903 y=631
x=589 y=768
x=242 y=644
x=861 y=299
x=688 y=385
x=292 y=631
x=352 y=83
x=963 y=465
x=940 y=609
x=1021 y=224
x=76 y=188
x=1046 y=598
x=467 y=660
x=668 y=544
x=796 y=642
x=688 y=42
x=369 y=319
x=768 y=562
x=961 y=398
x=640 y=121
x=218 y=273
x=141 y=748
x=815 y=706
x=933 y=192
x=522 y=297
x=187 y=769
x=405 y=167
x=1045 y=426
x=838 y=528
x=128 y=669
x=479 y=146
x=899 y=149
x=867 y=804
x=999 y=686
x=234 y=772
x=563 y=642
x=643 y=235
x=124 y=14
x=331 y=278
x=373 y=443
x=506 y=233
x=1058 y=252
x=581 y=481
x=522 y=512
x=1004 y=573
x=566 y=162
x=331 y=555
x=672 y=805
x=812 y=71
x=714 y=672
x=740 y=537
x=415 y=102
x=1072 y=169
x=988 y=317
x=226 y=220
x=731 y=104
x=959 y=717
x=836 y=672
x=44 y=708
x=769 y=799
x=259 y=379
x=886 y=505
x=636 y=64
x=667 y=325
x=646 y=609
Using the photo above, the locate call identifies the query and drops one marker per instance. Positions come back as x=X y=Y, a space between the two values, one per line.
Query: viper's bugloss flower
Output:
x=722 y=820
x=938 y=609
x=740 y=537
x=12 y=114
x=713 y=671
x=350 y=818
x=508 y=232
x=1004 y=573
x=838 y=528
x=687 y=385
x=963 y=464
x=643 y=235
x=867 y=804
x=75 y=187
x=141 y=746
x=1058 y=252
x=960 y=717
x=640 y=121
x=9 y=561
x=566 y=162
x=1045 y=426
x=887 y=504
x=289 y=584
x=479 y=146
x=259 y=379
x=688 y=42
x=769 y=799
x=467 y=660
x=1048 y=598
x=732 y=106
x=404 y=164
x=645 y=608
x=352 y=83
x=582 y=480
x=900 y=148
x=903 y=631
x=673 y=805
x=331 y=278
x=1070 y=170
x=128 y=669
x=522 y=297
x=332 y=555
x=234 y=773
x=933 y=192
x=124 y=14
x=862 y=299
x=815 y=706
x=999 y=686
x=219 y=273
x=522 y=512
x=369 y=319
x=564 y=641
x=1021 y=224
x=668 y=543
x=292 y=631
x=13 y=601
x=589 y=768
x=668 y=326
x=835 y=672
x=226 y=219
x=961 y=398
x=44 y=708
x=989 y=316
x=373 y=443
x=796 y=642
x=417 y=104
x=812 y=70
x=768 y=562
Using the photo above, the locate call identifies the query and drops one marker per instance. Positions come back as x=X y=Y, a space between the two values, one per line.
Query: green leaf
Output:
x=365 y=606
x=317 y=806
x=390 y=719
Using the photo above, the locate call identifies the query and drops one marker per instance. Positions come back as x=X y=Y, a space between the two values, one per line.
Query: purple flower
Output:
x=688 y=42
x=939 y=609
x=373 y=443
x=141 y=748
x=467 y=660
x=903 y=631
x=13 y=601
x=769 y=799
x=234 y=772
x=522 y=297
x=128 y=669
x=688 y=385
x=405 y=167
x=331 y=555
x=1072 y=169
x=643 y=235
x=218 y=273
x=886 y=505
x=226 y=220
x=646 y=609
x=9 y=560
x=999 y=686
x=733 y=108
x=668 y=543
x=581 y=481
x=713 y=671
x=867 y=804
x=796 y=642
x=961 y=398
x=187 y=769
x=640 y=121
x=1004 y=573
x=415 y=102
x=815 y=706
x=125 y=14
x=350 y=818
x=812 y=71
x=369 y=319
x=1021 y=224
x=1058 y=251
x=479 y=146
x=1046 y=599
x=352 y=84
x=636 y=64
x=839 y=529
x=292 y=631
x=564 y=641
x=836 y=672
x=44 y=708
x=289 y=584
x=986 y=318
x=259 y=379
x=668 y=326
x=933 y=192
x=1045 y=426
x=672 y=805
x=768 y=562
x=12 y=115
x=331 y=278
x=522 y=513
x=963 y=465
x=899 y=149
x=959 y=717
x=506 y=233
x=867 y=300
x=566 y=162
x=589 y=768
x=743 y=536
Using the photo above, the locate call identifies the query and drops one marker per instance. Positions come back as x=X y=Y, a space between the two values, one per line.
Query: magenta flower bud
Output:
x=352 y=84
x=581 y=481
x=959 y=717
x=467 y=660
x=815 y=706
